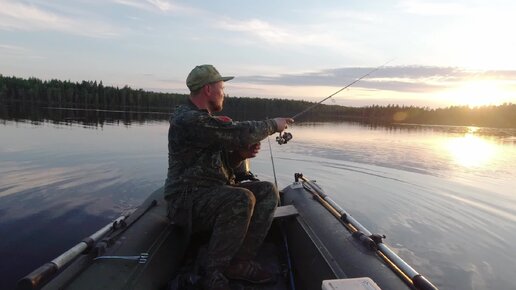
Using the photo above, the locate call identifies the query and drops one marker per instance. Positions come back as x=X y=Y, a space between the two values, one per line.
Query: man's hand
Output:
x=281 y=123
x=250 y=151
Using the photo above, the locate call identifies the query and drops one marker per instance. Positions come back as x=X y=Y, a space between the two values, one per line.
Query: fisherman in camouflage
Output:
x=204 y=152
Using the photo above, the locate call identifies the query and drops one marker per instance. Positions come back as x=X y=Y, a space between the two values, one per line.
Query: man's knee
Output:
x=271 y=191
x=264 y=192
x=244 y=198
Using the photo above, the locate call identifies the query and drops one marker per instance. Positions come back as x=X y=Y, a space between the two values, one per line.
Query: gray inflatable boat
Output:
x=313 y=244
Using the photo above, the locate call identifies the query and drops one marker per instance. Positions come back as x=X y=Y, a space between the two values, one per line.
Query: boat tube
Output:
x=312 y=240
x=344 y=247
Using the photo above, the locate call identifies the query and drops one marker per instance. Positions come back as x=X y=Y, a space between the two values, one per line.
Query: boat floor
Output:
x=271 y=256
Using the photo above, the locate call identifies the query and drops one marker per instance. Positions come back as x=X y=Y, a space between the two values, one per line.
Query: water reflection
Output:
x=471 y=150
x=94 y=118
x=435 y=150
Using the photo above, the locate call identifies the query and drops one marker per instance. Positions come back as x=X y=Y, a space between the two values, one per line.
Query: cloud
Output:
x=263 y=30
x=12 y=49
x=162 y=6
x=435 y=8
x=394 y=78
x=498 y=74
x=29 y=17
x=8 y=50
x=347 y=15
x=302 y=35
x=306 y=38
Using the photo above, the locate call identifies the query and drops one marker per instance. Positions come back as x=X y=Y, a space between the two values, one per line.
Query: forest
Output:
x=94 y=95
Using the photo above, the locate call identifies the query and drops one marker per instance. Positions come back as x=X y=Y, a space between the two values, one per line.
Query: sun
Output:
x=479 y=93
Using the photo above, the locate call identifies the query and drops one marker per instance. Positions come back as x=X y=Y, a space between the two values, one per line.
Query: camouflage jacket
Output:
x=201 y=147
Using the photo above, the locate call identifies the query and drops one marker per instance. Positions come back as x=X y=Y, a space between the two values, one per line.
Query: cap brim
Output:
x=225 y=79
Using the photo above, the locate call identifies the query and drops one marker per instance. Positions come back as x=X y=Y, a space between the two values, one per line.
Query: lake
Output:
x=443 y=195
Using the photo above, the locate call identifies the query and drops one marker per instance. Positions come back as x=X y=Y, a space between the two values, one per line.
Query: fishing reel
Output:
x=283 y=138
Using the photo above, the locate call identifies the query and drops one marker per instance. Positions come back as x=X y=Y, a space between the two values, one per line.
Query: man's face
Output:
x=216 y=97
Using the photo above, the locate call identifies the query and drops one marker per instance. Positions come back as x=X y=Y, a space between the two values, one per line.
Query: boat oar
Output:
x=374 y=242
x=41 y=275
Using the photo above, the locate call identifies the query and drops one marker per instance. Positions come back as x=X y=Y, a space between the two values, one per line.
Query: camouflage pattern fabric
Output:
x=201 y=189
x=201 y=147
x=239 y=217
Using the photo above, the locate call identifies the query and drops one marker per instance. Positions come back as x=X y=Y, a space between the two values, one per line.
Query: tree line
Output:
x=94 y=95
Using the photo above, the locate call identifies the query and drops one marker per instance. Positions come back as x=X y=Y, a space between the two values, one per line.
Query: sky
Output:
x=441 y=53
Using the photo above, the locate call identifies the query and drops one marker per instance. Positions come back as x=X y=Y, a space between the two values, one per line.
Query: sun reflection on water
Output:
x=471 y=150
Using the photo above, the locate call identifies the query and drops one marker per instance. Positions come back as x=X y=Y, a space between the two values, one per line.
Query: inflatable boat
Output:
x=313 y=244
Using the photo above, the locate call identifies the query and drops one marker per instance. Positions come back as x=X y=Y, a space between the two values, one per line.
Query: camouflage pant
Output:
x=239 y=217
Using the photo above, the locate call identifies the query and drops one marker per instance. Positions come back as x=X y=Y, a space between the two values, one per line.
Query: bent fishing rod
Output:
x=284 y=137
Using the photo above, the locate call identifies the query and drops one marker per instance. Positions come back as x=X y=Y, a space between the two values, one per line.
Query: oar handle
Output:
x=42 y=274
x=38 y=277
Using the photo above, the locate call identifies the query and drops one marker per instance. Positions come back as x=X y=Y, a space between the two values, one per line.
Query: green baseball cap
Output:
x=202 y=75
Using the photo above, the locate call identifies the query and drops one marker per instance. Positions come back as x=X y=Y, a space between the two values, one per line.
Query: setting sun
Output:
x=479 y=93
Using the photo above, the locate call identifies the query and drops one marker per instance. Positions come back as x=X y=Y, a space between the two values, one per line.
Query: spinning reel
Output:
x=283 y=138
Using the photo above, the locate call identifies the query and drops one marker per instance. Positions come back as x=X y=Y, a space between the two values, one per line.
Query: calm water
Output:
x=444 y=196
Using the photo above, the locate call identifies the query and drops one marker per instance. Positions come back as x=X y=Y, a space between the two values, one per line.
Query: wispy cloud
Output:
x=509 y=75
x=436 y=8
x=307 y=36
x=162 y=6
x=349 y=15
x=278 y=34
x=10 y=51
x=263 y=30
x=29 y=17
x=395 y=78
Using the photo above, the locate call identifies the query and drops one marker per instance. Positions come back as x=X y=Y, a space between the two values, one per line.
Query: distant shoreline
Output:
x=89 y=95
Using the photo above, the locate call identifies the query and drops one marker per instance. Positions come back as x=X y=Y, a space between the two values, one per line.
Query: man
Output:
x=204 y=151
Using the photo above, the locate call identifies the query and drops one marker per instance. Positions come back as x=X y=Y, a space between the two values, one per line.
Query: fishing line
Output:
x=272 y=160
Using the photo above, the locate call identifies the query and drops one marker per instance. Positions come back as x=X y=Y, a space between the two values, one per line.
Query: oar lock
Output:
x=119 y=224
x=371 y=242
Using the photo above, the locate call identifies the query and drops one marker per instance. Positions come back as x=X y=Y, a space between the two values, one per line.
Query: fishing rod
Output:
x=284 y=137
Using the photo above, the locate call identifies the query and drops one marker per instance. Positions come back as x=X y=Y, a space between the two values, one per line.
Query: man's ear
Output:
x=207 y=89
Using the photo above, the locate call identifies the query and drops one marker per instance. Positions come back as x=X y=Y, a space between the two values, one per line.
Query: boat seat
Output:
x=285 y=211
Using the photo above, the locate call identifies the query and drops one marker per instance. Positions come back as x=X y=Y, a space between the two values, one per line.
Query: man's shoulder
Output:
x=185 y=114
x=185 y=108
